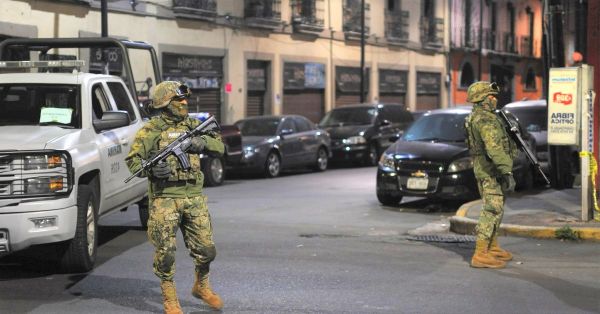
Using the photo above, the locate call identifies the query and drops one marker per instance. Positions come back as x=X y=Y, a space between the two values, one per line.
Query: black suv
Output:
x=360 y=133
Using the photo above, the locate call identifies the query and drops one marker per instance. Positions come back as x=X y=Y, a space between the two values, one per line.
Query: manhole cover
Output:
x=443 y=238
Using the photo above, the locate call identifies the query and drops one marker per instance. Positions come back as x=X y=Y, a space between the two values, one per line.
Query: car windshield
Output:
x=532 y=119
x=441 y=127
x=40 y=104
x=349 y=116
x=258 y=127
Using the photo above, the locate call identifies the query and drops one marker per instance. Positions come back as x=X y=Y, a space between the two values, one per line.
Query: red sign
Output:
x=228 y=87
x=565 y=99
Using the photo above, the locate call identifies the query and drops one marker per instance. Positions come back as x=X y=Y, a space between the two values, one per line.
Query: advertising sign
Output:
x=563 y=107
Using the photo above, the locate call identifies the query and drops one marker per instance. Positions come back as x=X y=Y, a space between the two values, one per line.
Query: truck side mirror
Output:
x=111 y=120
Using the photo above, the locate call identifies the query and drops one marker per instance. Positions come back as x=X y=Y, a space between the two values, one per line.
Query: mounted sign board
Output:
x=564 y=111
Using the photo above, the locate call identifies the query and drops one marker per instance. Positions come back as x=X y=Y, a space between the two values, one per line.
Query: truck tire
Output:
x=214 y=171
x=144 y=212
x=80 y=252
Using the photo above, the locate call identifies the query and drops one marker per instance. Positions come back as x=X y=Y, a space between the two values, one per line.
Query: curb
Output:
x=461 y=224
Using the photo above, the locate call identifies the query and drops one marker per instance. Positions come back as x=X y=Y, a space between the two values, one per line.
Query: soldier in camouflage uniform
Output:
x=493 y=152
x=176 y=199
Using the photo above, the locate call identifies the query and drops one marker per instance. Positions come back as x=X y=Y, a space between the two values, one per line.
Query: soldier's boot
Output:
x=482 y=257
x=170 y=301
x=203 y=291
x=498 y=252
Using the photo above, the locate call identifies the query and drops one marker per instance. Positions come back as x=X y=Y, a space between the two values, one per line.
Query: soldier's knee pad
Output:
x=210 y=253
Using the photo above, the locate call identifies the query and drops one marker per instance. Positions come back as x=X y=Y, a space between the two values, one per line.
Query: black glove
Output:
x=507 y=182
x=161 y=170
x=197 y=145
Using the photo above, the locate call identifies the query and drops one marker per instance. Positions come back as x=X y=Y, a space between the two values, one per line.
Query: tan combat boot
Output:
x=498 y=252
x=482 y=257
x=170 y=301
x=202 y=290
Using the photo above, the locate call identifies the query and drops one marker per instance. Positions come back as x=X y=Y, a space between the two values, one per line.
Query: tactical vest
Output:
x=476 y=146
x=168 y=133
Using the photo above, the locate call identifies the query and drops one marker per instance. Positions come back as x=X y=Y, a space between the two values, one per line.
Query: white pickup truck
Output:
x=63 y=141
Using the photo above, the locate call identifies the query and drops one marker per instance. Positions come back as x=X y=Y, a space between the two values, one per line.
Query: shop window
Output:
x=467 y=76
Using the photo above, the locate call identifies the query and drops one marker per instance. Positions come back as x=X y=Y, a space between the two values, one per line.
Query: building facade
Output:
x=260 y=57
x=499 y=41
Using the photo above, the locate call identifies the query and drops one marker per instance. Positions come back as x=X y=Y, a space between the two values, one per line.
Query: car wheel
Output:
x=388 y=200
x=80 y=252
x=144 y=212
x=214 y=173
x=372 y=156
x=272 y=165
x=526 y=181
x=322 y=159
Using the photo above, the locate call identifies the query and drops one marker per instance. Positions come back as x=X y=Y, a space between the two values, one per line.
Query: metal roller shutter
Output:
x=344 y=99
x=428 y=102
x=255 y=103
x=392 y=98
x=206 y=100
x=307 y=103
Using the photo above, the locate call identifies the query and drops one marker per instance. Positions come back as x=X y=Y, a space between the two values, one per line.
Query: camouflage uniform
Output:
x=493 y=152
x=177 y=201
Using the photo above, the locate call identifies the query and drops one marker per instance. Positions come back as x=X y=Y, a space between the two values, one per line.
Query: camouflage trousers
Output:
x=167 y=215
x=492 y=210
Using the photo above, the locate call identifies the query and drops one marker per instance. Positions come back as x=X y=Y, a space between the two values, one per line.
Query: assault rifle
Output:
x=179 y=147
x=515 y=134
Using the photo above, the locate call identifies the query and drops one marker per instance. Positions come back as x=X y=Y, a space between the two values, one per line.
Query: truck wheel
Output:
x=272 y=165
x=144 y=212
x=80 y=253
x=322 y=159
x=214 y=171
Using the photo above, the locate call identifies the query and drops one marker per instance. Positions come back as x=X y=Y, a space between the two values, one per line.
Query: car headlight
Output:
x=39 y=162
x=354 y=140
x=461 y=164
x=386 y=162
x=249 y=151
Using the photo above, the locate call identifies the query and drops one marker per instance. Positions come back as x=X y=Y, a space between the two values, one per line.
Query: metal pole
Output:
x=104 y=17
x=362 y=51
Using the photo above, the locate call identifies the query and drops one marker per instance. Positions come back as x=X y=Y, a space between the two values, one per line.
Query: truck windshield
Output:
x=40 y=104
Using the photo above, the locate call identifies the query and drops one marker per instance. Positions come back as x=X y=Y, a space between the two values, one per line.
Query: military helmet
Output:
x=478 y=91
x=167 y=91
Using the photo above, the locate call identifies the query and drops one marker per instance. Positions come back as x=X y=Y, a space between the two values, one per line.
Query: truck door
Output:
x=122 y=137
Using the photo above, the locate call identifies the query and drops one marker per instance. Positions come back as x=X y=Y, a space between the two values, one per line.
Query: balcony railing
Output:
x=307 y=16
x=396 y=26
x=352 y=15
x=263 y=13
x=195 y=9
x=503 y=42
x=432 y=32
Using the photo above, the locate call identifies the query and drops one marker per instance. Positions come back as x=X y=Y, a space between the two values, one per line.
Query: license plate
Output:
x=417 y=183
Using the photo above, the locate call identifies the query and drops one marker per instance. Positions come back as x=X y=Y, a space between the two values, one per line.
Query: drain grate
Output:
x=443 y=238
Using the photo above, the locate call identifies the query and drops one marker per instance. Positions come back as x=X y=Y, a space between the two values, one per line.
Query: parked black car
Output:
x=431 y=160
x=359 y=133
x=274 y=143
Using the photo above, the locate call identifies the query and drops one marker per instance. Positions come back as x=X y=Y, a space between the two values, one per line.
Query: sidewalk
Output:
x=537 y=213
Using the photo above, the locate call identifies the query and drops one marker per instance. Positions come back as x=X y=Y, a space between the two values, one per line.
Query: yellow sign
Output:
x=563 y=106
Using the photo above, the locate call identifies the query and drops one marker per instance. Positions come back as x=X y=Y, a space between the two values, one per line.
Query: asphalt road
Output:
x=314 y=243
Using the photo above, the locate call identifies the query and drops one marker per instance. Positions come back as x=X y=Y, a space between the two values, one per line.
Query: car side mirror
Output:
x=384 y=122
x=111 y=120
x=396 y=136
